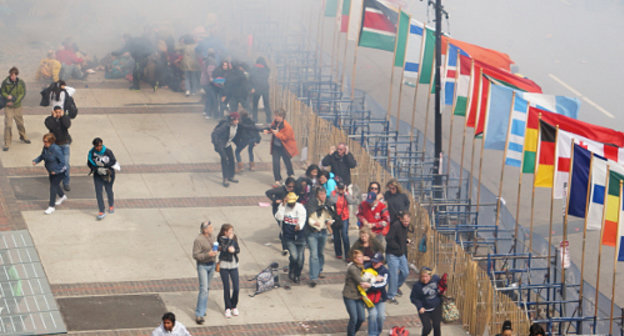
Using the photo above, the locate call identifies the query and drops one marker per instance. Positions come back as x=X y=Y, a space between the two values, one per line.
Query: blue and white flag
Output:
x=450 y=74
x=413 y=52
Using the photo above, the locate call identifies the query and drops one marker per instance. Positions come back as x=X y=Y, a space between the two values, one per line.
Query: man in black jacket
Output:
x=341 y=162
x=58 y=124
x=222 y=137
x=277 y=195
x=396 y=255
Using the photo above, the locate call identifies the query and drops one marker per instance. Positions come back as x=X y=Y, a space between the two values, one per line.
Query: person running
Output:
x=396 y=253
x=13 y=91
x=377 y=295
x=283 y=145
x=228 y=268
x=103 y=164
x=427 y=299
x=54 y=162
x=351 y=294
x=372 y=213
x=292 y=217
x=320 y=219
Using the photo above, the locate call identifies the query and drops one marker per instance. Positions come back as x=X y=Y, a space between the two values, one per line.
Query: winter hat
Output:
x=234 y=116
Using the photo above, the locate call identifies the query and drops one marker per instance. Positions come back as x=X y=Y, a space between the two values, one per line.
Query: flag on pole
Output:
x=497 y=121
x=401 y=43
x=331 y=8
x=581 y=159
x=463 y=85
x=413 y=51
x=450 y=72
x=619 y=245
x=474 y=94
x=379 y=25
x=516 y=132
x=426 y=60
x=355 y=20
x=484 y=96
x=492 y=57
x=344 y=16
x=612 y=211
x=560 y=104
x=546 y=155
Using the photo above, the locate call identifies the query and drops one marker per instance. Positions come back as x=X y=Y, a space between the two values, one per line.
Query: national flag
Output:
x=331 y=8
x=581 y=164
x=355 y=20
x=427 y=58
x=613 y=208
x=414 y=48
x=587 y=130
x=619 y=245
x=484 y=96
x=451 y=72
x=564 y=142
x=474 y=94
x=492 y=57
x=560 y=104
x=497 y=121
x=546 y=155
x=344 y=16
x=463 y=85
x=516 y=131
x=401 y=42
x=379 y=25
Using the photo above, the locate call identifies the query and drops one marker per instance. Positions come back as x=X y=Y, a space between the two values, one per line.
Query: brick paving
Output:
x=139 y=109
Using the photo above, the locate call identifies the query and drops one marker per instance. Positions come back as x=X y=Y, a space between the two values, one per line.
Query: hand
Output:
x=346 y=150
x=365 y=285
x=379 y=278
x=297 y=228
x=231 y=249
x=422 y=310
x=9 y=97
x=366 y=258
x=9 y=103
x=34 y=163
x=332 y=149
x=379 y=197
x=266 y=131
x=365 y=222
x=212 y=253
x=223 y=99
x=53 y=173
x=274 y=131
x=279 y=201
x=253 y=90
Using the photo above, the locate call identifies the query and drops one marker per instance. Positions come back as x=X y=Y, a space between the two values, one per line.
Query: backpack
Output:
x=70 y=106
x=265 y=280
x=399 y=331
x=45 y=95
x=450 y=313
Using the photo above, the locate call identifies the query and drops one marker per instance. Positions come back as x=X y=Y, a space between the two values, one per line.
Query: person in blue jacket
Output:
x=54 y=161
x=427 y=298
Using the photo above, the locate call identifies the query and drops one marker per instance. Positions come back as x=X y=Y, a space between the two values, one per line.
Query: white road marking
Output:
x=580 y=95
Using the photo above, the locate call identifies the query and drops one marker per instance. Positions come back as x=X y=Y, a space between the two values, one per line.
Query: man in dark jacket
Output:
x=58 y=124
x=259 y=79
x=222 y=138
x=248 y=136
x=236 y=89
x=396 y=254
x=140 y=48
x=13 y=91
x=277 y=195
x=341 y=162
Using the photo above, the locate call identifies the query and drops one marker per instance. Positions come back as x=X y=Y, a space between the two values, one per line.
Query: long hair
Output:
x=393 y=182
x=224 y=228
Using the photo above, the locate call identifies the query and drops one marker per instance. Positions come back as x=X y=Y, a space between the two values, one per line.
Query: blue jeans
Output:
x=376 y=318
x=191 y=81
x=239 y=149
x=316 y=243
x=204 y=273
x=65 y=150
x=55 y=188
x=355 y=309
x=296 y=255
x=397 y=273
x=341 y=239
x=100 y=183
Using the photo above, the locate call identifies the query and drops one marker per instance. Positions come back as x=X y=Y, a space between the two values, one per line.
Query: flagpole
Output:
x=355 y=52
x=461 y=164
x=414 y=109
x=333 y=50
x=422 y=47
x=500 y=184
x=427 y=111
x=472 y=156
x=532 y=213
x=344 y=63
x=552 y=204
x=319 y=37
x=448 y=155
x=398 y=118
x=482 y=142
x=565 y=215
x=589 y=184
x=396 y=42
x=615 y=260
x=602 y=221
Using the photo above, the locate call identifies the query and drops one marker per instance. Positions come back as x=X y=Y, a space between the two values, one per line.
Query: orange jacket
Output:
x=287 y=136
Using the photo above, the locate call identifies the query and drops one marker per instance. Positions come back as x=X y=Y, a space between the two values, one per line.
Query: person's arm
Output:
x=38 y=158
x=281 y=210
x=415 y=297
x=273 y=194
x=326 y=162
x=112 y=159
x=198 y=254
x=350 y=160
x=301 y=216
x=66 y=121
x=360 y=214
x=49 y=123
x=382 y=280
x=406 y=202
x=59 y=157
x=20 y=93
x=391 y=239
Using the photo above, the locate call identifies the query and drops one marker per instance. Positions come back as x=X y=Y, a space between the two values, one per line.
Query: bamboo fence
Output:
x=481 y=308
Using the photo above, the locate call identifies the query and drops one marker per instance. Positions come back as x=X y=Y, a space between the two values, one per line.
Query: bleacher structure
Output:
x=530 y=278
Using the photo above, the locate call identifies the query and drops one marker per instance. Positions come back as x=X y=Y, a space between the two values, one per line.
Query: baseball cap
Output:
x=340 y=185
x=371 y=197
x=377 y=258
x=291 y=197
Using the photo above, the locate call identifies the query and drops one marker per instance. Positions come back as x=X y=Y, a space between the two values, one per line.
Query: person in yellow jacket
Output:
x=49 y=68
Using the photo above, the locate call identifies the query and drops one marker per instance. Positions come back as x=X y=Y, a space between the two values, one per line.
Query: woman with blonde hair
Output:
x=426 y=296
x=396 y=199
x=367 y=243
x=351 y=294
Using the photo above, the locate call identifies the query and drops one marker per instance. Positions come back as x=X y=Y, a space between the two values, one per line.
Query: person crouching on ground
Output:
x=54 y=161
x=222 y=137
x=102 y=163
x=427 y=299
x=228 y=267
x=169 y=327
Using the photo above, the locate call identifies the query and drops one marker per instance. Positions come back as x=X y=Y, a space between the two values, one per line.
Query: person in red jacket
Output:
x=374 y=214
x=283 y=145
x=341 y=199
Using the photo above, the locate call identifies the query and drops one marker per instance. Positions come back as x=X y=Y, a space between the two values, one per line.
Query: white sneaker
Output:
x=61 y=200
x=188 y=93
x=235 y=312
x=228 y=313
x=49 y=210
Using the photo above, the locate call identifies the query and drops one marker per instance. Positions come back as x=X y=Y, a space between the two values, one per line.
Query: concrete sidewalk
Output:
x=169 y=183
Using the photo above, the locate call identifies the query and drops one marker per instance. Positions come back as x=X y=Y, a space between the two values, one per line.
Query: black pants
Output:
x=227 y=162
x=230 y=298
x=211 y=105
x=277 y=153
x=55 y=187
x=265 y=101
x=100 y=184
x=137 y=72
x=431 y=319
